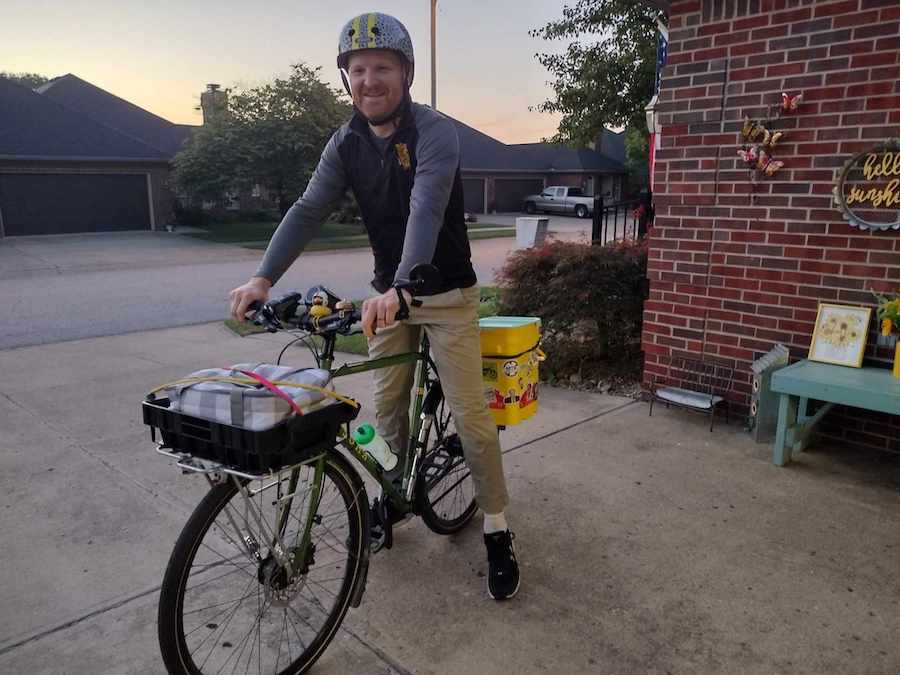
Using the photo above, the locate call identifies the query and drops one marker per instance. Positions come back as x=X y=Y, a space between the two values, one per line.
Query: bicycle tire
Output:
x=442 y=463
x=343 y=493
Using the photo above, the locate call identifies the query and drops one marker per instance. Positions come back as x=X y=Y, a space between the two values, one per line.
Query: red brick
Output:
x=716 y=28
x=850 y=48
x=863 y=271
x=825 y=93
x=888 y=73
x=786 y=69
x=849 y=255
x=883 y=103
x=832 y=9
x=802 y=252
x=747 y=74
x=731 y=38
x=791 y=16
x=819 y=121
x=752 y=22
x=870 y=89
x=685 y=7
x=770 y=32
x=847 y=77
x=863 y=118
x=877 y=59
x=856 y=19
x=843 y=105
x=884 y=44
x=710 y=54
x=690 y=92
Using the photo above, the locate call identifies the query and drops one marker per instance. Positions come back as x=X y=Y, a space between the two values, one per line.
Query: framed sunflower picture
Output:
x=840 y=334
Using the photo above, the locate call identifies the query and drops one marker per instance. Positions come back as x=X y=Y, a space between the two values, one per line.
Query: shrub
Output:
x=189 y=216
x=590 y=300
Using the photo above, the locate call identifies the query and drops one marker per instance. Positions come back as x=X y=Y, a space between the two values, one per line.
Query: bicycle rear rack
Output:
x=213 y=470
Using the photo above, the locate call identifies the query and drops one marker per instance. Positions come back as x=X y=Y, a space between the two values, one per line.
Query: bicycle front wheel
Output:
x=445 y=491
x=263 y=573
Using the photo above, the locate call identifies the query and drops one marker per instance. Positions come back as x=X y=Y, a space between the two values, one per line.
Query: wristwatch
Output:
x=403 y=312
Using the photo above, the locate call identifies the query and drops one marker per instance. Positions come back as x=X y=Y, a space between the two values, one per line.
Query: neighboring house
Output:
x=497 y=177
x=74 y=158
x=88 y=99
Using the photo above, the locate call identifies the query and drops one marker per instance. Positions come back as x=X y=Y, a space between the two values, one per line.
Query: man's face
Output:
x=376 y=81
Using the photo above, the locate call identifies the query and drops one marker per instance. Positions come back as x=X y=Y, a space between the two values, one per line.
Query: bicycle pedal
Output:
x=381 y=531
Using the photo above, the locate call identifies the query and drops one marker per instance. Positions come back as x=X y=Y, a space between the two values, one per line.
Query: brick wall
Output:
x=733 y=268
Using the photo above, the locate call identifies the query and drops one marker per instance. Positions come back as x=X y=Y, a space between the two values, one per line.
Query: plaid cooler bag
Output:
x=254 y=407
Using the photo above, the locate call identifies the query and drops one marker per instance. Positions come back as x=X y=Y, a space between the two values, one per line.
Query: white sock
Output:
x=494 y=522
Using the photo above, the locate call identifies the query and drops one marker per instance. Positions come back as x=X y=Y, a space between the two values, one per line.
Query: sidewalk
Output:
x=648 y=545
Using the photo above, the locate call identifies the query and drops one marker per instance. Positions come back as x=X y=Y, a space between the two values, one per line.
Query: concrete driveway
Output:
x=648 y=545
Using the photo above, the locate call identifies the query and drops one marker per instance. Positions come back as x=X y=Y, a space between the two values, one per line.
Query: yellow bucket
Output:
x=510 y=358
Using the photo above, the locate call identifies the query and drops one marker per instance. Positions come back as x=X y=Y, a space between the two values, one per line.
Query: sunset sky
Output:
x=160 y=55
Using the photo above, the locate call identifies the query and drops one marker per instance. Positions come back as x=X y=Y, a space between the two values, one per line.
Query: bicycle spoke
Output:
x=224 y=628
x=221 y=628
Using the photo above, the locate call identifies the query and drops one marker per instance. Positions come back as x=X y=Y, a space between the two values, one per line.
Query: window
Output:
x=561 y=192
x=232 y=200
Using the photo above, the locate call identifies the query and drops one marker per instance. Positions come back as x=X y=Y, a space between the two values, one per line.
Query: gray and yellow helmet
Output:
x=375 y=30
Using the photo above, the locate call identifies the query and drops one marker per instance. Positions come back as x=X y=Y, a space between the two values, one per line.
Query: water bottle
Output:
x=369 y=440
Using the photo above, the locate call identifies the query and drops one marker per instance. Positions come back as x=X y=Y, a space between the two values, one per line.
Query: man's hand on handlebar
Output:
x=381 y=311
x=257 y=289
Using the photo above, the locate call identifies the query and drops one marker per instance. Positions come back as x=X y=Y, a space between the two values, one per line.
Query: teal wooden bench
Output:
x=869 y=388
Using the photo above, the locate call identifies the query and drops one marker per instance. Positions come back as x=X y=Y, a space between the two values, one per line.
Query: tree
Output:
x=604 y=80
x=637 y=157
x=30 y=80
x=271 y=135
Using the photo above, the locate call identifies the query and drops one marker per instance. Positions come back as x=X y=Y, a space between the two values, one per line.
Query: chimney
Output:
x=212 y=102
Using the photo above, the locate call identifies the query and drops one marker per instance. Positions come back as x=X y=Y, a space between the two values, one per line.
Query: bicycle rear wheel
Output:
x=445 y=491
x=228 y=605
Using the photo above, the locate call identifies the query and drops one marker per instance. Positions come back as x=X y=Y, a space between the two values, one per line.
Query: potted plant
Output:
x=888 y=314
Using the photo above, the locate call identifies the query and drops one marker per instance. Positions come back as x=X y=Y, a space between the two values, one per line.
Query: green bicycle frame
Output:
x=420 y=426
x=402 y=497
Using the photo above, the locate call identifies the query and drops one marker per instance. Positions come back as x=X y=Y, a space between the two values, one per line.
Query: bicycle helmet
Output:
x=375 y=30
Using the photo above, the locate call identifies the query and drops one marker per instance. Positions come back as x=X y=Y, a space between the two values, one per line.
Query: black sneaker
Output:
x=503 y=572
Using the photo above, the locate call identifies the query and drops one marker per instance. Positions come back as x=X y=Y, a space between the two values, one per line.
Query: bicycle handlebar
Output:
x=275 y=314
x=272 y=317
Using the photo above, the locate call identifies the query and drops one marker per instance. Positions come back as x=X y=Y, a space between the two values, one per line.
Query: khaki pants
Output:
x=450 y=321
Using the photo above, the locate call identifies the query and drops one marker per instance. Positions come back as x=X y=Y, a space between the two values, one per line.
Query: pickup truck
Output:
x=559 y=199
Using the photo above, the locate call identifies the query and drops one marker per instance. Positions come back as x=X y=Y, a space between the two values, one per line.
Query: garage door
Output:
x=66 y=203
x=510 y=193
x=473 y=189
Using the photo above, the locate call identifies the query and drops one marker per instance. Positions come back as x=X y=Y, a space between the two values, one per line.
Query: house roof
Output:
x=480 y=152
x=33 y=126
x=88 y=99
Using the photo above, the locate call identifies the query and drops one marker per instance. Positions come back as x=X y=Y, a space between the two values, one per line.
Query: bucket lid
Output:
x=507 y=321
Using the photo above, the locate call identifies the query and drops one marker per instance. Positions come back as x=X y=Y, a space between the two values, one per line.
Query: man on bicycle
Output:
x=401 y=160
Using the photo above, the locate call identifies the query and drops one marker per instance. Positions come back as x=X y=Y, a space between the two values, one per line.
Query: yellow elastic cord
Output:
x=255 y=383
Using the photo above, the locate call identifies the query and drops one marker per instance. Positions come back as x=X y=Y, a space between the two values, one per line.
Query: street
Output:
x=71 y=287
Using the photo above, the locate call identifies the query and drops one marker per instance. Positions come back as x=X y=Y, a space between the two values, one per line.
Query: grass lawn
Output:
x=332 y=235
x=356 y=344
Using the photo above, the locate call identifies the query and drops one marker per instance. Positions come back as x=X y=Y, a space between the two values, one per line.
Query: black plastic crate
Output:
x=297 y=438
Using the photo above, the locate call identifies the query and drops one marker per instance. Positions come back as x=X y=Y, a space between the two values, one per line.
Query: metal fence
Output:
x=618 y=221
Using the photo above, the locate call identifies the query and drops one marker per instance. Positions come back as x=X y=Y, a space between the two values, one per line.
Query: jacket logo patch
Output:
x=403 y=156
